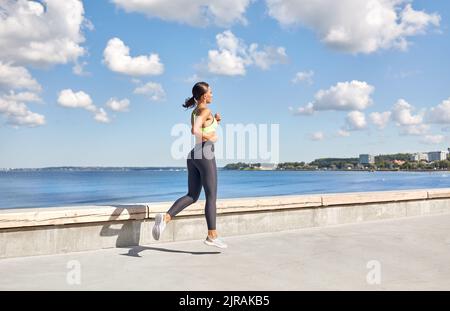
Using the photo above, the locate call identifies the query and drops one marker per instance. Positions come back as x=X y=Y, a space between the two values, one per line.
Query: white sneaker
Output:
x=215 y=242
x=159 y=226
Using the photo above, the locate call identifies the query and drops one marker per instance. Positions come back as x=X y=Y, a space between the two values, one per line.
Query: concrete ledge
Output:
x=25 y=232
x=35 y=217
x=438 y=193
x=372 y=197
x=226 y=206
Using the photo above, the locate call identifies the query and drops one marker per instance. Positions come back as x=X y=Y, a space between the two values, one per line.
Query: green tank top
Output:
x=210 y=128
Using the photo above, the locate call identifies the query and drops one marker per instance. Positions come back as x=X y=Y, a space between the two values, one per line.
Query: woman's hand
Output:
x=213 y=137
x=217 y=116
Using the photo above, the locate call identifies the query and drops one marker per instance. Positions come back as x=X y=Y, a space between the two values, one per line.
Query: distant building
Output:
x=366 y=159
x=399 y=162
x=419 y=156
x=437 y=155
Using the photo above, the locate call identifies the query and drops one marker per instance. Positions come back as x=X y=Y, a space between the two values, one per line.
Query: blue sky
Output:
x=358 y=71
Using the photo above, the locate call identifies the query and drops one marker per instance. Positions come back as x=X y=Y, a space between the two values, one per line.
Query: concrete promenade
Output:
x=411 y=253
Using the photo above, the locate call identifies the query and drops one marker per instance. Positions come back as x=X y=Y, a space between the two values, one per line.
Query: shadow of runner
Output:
x=134 y=251
x=129 y=232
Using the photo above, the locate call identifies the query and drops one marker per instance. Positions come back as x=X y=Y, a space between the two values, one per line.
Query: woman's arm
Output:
x=197 y=127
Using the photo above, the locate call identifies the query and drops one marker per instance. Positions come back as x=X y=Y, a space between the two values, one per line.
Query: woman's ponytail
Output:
x=198 y=90
x=189 y=102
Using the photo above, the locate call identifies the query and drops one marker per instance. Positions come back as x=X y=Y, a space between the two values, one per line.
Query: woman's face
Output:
x=208 y=96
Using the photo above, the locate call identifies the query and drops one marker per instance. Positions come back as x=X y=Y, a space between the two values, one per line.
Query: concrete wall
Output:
x=40 y=231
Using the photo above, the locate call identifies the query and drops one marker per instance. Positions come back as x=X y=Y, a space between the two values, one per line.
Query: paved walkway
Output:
x=402 y=254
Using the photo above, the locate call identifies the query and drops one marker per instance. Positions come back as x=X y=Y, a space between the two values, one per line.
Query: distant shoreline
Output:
x=343 y=170
x=175 y=168
x=95 y=168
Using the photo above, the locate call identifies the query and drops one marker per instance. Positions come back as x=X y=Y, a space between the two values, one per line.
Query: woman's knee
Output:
x=211 y=193
x=194 y=196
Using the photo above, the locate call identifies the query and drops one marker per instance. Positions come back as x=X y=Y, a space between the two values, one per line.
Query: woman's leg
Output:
x=194 y=189
x=208 y=173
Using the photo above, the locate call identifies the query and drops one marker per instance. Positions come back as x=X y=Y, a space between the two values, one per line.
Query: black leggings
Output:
x=202 y=171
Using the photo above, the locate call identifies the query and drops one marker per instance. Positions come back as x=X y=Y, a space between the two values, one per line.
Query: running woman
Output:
x=201 y=166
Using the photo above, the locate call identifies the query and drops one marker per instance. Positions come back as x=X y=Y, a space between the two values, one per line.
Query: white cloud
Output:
x=354 y=95
x=355 y=26
x=152 y=90
x=317 y=136
x=101 y=116
x=264 y=59
x=70 y=99
x=439 y=114
x=356 y=121
x=78 y=69
x=191 y=12
x=432 y=139
x=304 y=76
x=17 y=113
x=118 y=105
x=402 y=114
x=33 y=34
x=194 y=78
x=13 y=104
x=416 y=22
x=233 y=56
x=343 y=133
x=414 y=130
x=15 y=77
x=408 y=123
x=136 y=81
x=403 y=74
x=22 y=96
x=304 y=111
x=226 y=63
x=117 y=57
x=380 y=119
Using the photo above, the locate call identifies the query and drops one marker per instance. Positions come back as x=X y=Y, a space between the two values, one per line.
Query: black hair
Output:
x=198 y=90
